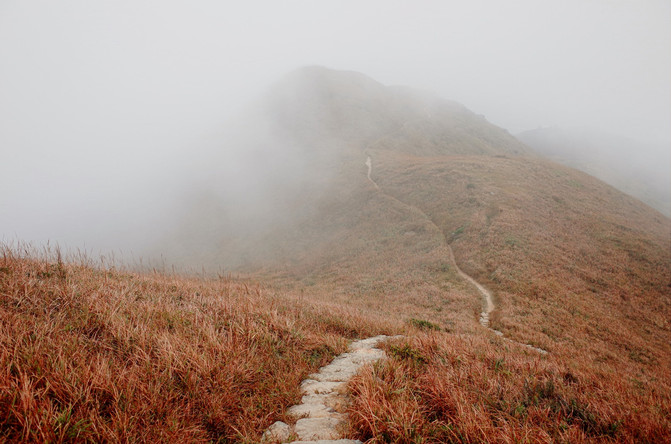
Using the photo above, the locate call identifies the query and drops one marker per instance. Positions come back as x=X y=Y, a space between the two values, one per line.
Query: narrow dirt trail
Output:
x=320 y=415
x=369 y=164
x=486 y=294
x=488 y=300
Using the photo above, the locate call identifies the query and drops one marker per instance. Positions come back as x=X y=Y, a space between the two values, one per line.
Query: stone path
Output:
x=320 y=414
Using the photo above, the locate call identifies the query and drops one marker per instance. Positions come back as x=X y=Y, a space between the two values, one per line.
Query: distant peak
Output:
x=324 y=76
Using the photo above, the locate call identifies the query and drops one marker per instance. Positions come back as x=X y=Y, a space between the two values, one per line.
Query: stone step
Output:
x=320 y=416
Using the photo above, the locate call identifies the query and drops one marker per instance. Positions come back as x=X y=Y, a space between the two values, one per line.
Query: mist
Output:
x=113 y=115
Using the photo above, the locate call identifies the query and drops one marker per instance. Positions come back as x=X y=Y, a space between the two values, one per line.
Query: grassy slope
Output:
x=577 y=267
x=566 y=253
x=94 y=355
x=309 y=133
x=366 y=248
x=440 y=387
x=99 y=355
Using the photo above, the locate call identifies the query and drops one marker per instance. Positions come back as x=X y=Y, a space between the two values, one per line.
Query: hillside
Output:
x=539 y=234
x=351 y=209
x=315 y=104
x=574 y=264
x=527 y=227
x=96 y=354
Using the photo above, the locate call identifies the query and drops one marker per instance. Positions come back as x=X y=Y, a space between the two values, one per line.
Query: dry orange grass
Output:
x=364 y=249
x=89 y=354
x=443 y=388
x=576 y=267
x=571 y=260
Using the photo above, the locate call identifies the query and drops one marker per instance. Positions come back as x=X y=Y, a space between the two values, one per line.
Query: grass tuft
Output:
x=423 y=324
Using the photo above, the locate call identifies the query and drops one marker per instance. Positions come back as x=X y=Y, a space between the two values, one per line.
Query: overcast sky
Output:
x=100 y=100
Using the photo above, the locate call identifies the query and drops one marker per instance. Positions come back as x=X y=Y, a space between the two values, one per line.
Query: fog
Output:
x=109 y=111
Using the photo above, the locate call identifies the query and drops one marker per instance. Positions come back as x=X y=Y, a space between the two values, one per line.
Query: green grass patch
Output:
x=407 y=353
x=423 y=325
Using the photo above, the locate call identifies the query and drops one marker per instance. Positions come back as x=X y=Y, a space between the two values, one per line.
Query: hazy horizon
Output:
x=102 y=105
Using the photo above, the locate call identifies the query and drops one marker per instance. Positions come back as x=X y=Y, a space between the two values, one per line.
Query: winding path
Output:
x=369 y=164
x=486 y=294
x=488 y=300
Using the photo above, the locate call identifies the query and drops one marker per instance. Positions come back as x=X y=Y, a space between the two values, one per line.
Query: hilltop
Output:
x=314 y=104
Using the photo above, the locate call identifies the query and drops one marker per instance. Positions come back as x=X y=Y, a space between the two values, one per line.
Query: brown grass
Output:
x=576 y=268
x=571 y=260
x=442 y=388
x=89 y=354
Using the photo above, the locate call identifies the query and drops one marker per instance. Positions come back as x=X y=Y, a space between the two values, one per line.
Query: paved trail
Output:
x=321 y=414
